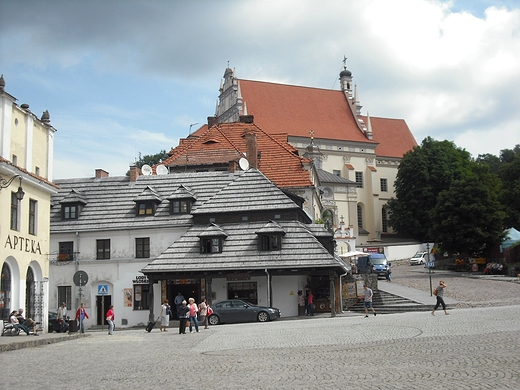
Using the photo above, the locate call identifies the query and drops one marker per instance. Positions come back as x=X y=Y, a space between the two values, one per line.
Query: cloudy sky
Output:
x=123 y=77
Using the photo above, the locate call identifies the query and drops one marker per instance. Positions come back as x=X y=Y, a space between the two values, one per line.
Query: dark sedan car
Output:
x=235 y=310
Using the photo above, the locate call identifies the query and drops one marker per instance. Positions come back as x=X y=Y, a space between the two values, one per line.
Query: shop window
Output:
x=141 y=295
x=246 y=291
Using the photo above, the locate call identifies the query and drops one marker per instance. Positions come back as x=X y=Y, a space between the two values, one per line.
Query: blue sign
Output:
x=430 y=265
x=102 y=289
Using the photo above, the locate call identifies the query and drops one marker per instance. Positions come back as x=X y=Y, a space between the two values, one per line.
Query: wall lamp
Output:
x=6 y=183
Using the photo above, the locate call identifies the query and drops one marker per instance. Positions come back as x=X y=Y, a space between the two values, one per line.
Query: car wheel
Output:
x=263 y=316
x=213 y=320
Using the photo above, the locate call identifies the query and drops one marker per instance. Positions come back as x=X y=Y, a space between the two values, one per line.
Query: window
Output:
x=141 y=295
x=65 y=295
x=145 y=208
x=103 y=249
x=15 y=210
x=66 y=251
x=180 y=207
x=359 y=217
x=69 y=211
x=142 y=248
x=336 y=172
x=384 y=185
x=384 y=220
x=210 y=245
x=33 y=206
x=37 y=170
x=272 y=242
x=359 y=179
x=246 y=291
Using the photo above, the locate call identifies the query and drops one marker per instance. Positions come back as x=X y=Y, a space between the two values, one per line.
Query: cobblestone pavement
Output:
x=468 y=289
x=472 y=348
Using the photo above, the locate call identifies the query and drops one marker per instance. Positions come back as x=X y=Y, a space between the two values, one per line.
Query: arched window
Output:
x=359 y=216
x=5 y=292
x=328 y=219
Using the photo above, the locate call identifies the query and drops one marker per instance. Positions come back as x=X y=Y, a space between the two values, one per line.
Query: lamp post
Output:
x=6 y=183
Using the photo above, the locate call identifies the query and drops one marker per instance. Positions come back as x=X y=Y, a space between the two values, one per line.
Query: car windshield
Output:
x=419 y=254
x=378 y=260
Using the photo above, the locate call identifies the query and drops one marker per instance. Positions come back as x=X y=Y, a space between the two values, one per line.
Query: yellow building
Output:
x=26 y=154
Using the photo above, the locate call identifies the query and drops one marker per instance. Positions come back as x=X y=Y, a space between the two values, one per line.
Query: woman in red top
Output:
x=81 y=314
x=110 y=319
x=310 y=301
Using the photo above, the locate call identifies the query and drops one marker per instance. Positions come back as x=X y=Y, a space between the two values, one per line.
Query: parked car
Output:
x=236 y=310
x=379 y=264
x=421 y=258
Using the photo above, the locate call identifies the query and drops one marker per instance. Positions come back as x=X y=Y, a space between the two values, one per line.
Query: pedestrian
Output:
x=388 y=274
x=62 y=316
x=301 y=303
x=183 y=313
x=165 y=316
x=178 y=302
x=440 y=295
x=369 y=294
x=27 y=322
x=110 y=319
x=193 y=315
x=310 y=302
x=81 y=314
x=203 y=311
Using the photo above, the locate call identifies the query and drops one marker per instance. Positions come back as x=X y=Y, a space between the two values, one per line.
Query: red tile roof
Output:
x=299 y=110
x=225 y=142
x=393 y=135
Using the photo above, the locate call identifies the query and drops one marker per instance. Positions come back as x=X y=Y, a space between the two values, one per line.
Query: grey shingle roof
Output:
x=299 y=249
x=327 y=177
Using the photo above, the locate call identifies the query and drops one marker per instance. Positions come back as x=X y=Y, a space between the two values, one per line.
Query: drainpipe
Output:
x=268 y=288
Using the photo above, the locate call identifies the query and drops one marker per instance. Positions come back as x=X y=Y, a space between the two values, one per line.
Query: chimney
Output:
x=251 y=149
x=246 y=118
x=134 y=172
x=212 y=121
x=100 y=173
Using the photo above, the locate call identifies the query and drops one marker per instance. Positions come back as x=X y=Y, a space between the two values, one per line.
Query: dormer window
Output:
x=270 y=242
x=211 y=239
x=69 y=211
x=146 y=208
x=211 y=245
x=180 y=206
x=72 y=204
x=270 y=237
x=147 y=202
x=181 y=200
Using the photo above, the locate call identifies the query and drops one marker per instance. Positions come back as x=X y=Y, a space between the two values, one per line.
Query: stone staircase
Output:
x=387 y=303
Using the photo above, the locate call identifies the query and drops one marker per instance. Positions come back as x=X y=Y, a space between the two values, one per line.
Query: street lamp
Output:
x=6 y=183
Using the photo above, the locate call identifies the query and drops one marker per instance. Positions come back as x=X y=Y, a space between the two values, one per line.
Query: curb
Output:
x=37 y=342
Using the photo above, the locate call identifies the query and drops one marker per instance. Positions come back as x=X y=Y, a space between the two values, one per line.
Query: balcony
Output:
x=63 y=258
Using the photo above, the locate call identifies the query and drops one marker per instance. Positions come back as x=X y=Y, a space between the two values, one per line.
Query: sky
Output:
x=124 y=78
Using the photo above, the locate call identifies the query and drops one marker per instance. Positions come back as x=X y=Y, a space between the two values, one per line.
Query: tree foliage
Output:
x=150 y=159
x=510 y=177
x=442 y=195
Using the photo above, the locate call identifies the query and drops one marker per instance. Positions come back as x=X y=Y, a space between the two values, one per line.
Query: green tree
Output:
x=423 y=174
x=468 y=217
x=510 y=176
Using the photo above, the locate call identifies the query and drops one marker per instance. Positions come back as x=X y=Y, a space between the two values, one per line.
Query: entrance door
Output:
x=187 y=291
x=103 y=302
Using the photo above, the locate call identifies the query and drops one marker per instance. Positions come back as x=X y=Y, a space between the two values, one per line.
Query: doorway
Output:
x=103 y=302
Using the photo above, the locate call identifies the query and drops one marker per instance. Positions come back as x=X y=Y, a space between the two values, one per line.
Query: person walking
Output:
x=81 y=314
x=110 y=319
x=183 y=313
x=369 y=294
x=165 y=316
x=178 y=302
x=440 y=297
x=203 y=311
x=388 y=274
x=193 y=315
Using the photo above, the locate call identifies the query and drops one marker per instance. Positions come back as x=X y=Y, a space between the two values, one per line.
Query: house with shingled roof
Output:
x=359 y=148
x=223 y=146
x=141 y=239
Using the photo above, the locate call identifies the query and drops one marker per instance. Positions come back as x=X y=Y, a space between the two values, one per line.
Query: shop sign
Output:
x=232 y=277
x=22 y=244
x=140 y=279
